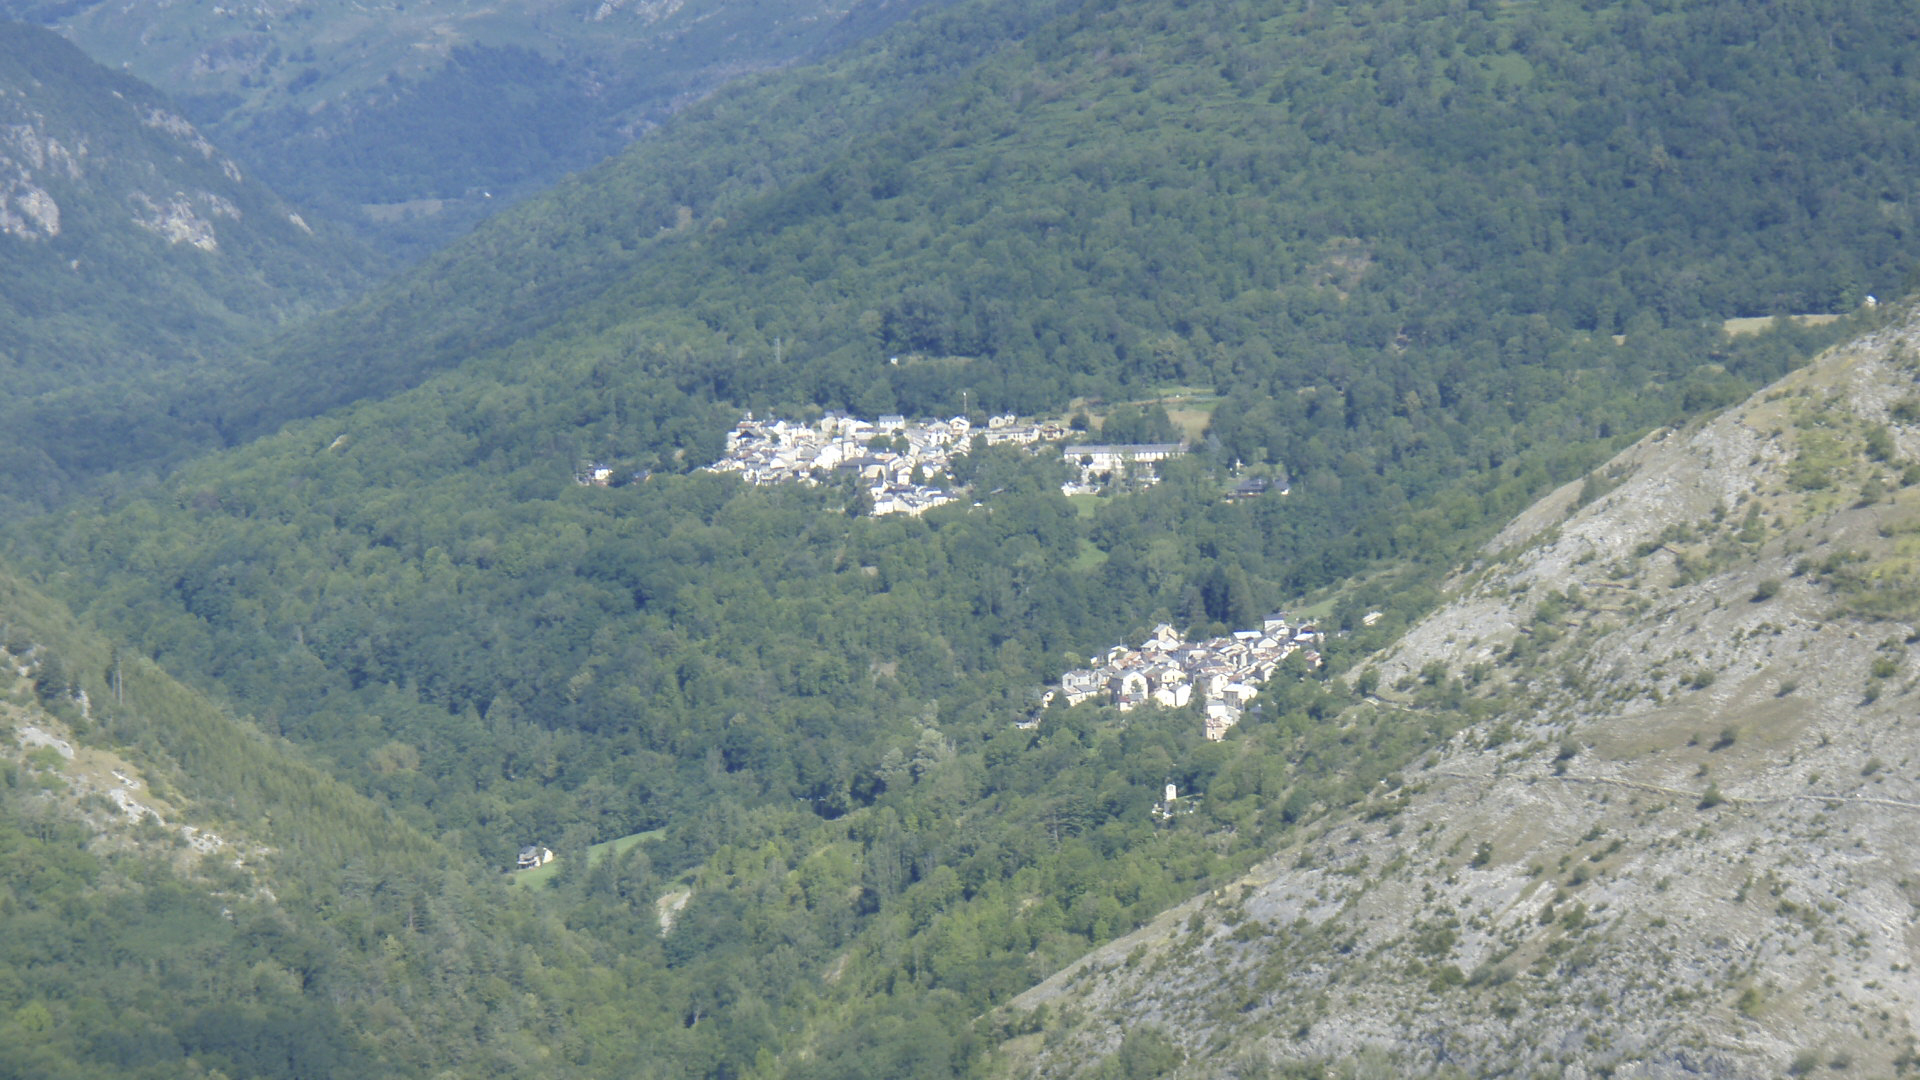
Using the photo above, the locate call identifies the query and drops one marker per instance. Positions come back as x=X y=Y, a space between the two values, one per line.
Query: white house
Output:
x=1106 y=458
x=1220 y=717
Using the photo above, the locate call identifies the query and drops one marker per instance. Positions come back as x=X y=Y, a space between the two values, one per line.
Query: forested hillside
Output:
x=131 y=249
x=813 y=716
x=1396 y=271
x=1427 y=258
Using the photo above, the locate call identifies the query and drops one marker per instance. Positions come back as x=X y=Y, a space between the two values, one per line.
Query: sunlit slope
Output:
x=1676 y=843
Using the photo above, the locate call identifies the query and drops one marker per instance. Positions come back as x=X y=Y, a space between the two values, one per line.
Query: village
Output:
x=1224 y=672
x=900 y=462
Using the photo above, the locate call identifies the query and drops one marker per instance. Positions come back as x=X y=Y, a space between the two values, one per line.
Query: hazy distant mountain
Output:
x=416 y=118
x=130 y=246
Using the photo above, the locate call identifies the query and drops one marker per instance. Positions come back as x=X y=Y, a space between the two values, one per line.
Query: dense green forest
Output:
x=1506 y=164
x=1429 y=258
x=869 y=867
x=1394 y=274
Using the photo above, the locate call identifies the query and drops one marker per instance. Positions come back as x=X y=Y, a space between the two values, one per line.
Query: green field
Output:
x=544 y=874
x=1084 y=505
x=1090 y=557
x=1756 y=323
x=1178 y=392
x=1314 y=612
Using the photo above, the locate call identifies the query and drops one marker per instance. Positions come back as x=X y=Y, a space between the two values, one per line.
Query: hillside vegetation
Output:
x=182 y=896
x=1396 y=276
x=814 y=710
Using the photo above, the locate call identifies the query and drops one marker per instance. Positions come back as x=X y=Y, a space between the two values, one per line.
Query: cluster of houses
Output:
x=892 y=457
x=896 y=459
x=1253 y=487
x=1223 y=672
x=898 y=462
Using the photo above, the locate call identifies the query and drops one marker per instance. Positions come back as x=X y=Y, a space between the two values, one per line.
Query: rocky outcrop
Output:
x=27 y=155
x=183 y=218
x=48 y=156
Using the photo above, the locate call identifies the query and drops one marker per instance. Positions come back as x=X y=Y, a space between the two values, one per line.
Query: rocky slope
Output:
x=1679 y=846
x=123 y=806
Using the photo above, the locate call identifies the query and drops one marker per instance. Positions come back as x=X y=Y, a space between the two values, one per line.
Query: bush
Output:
x=1145 y=1053
x=1448 y=975
x=1879 y=443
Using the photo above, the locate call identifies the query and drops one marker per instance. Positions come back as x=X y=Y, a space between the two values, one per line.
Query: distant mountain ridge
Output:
x=416 y=119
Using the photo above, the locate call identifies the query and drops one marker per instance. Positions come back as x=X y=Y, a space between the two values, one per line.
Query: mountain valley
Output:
x=1591 y=759
x=135 y=250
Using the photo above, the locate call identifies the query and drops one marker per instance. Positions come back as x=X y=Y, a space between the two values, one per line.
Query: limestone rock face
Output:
x=80 y=141
x=26 y=154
